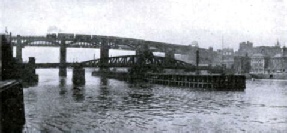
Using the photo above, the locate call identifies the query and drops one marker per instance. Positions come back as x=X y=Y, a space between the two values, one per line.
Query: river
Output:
x=110 y=105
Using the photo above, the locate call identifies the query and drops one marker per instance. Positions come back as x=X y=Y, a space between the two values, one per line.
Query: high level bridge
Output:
x=104 y=43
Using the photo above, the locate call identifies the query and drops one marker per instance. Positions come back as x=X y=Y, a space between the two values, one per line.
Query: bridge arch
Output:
x=40 y=42
x=88 y=44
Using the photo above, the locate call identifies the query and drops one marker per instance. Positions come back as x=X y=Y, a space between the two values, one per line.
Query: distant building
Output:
x=247 y=48
x=262 y=58
x=259 y=63
x=228 y=57
x=242 y=64
x=278 y=63
x=206 y=56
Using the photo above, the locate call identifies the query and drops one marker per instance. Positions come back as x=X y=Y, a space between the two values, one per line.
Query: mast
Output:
x=222 y=42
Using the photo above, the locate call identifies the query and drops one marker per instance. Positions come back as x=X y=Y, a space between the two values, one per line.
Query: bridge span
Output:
x=126 y=61
x=132 y=61
x=104 y=43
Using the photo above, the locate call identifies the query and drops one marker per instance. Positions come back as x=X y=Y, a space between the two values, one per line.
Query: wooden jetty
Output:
x=207 y=82
x=216 y=82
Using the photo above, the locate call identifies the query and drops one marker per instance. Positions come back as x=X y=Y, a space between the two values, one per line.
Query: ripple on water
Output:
x=111 y=105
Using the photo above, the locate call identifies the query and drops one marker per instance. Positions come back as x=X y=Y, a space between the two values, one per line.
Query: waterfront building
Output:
x=268 y=51
x=258 y=63
x=278 y=63
x=245 y=48
x=228 y=57
x=262 y=59
x=242 y=64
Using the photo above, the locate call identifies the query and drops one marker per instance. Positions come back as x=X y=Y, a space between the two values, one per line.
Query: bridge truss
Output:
x=138 y=61
x=93 y=41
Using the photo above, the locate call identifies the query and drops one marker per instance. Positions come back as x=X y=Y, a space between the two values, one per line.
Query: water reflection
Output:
x=78 y=93
x=139 y=96
x=103 y=82
x=62 y=81
x=109 y=105
x=104 y=89
x=62 y=85
x=104 y=94
x=29 y=84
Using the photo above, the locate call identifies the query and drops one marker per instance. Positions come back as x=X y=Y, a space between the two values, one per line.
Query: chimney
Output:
x=284 y=51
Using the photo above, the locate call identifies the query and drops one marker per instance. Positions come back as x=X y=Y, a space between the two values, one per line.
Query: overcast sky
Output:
x=171 y=21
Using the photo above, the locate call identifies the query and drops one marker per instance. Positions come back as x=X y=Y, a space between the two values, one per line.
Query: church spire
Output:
x=277 y=44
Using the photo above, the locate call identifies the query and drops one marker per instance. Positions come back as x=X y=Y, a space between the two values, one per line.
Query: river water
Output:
x=110 y=105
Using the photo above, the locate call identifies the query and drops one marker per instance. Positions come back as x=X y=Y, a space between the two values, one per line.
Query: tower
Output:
x=284 y=51
x=277 y=44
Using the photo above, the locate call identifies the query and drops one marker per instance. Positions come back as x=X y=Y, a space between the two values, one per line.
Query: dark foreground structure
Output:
x=12 y=111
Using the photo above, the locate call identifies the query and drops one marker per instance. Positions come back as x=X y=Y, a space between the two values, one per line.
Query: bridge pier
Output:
x=12 y=111
x=28 y=72
x=63 y=56
x=170 y=54
x=104 y=55
x=10 y=68
x=19 y=48
x=143 y=50
x=78 y=75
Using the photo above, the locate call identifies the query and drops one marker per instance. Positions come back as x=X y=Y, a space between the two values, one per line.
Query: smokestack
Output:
x=197 y=61
x=284 y=51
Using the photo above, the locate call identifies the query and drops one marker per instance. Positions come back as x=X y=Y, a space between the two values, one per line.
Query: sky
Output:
x=212 y=23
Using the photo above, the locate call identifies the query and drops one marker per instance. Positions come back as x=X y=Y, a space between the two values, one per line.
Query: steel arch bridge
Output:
x=138 y=61
x=93 y=41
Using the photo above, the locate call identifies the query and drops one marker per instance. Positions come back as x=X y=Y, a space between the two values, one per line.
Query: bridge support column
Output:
x=170 y=54
x=78 y=75
x=104 y=55
x=19 y=48
x=63 y=54
x=28 y=74
x=142 y=49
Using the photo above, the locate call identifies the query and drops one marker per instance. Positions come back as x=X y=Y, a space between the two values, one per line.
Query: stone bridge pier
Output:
x=104 y=55
x=170 y=53
x=144 y=50
x=78 y=75
x=63 y=58
x=19 y=48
